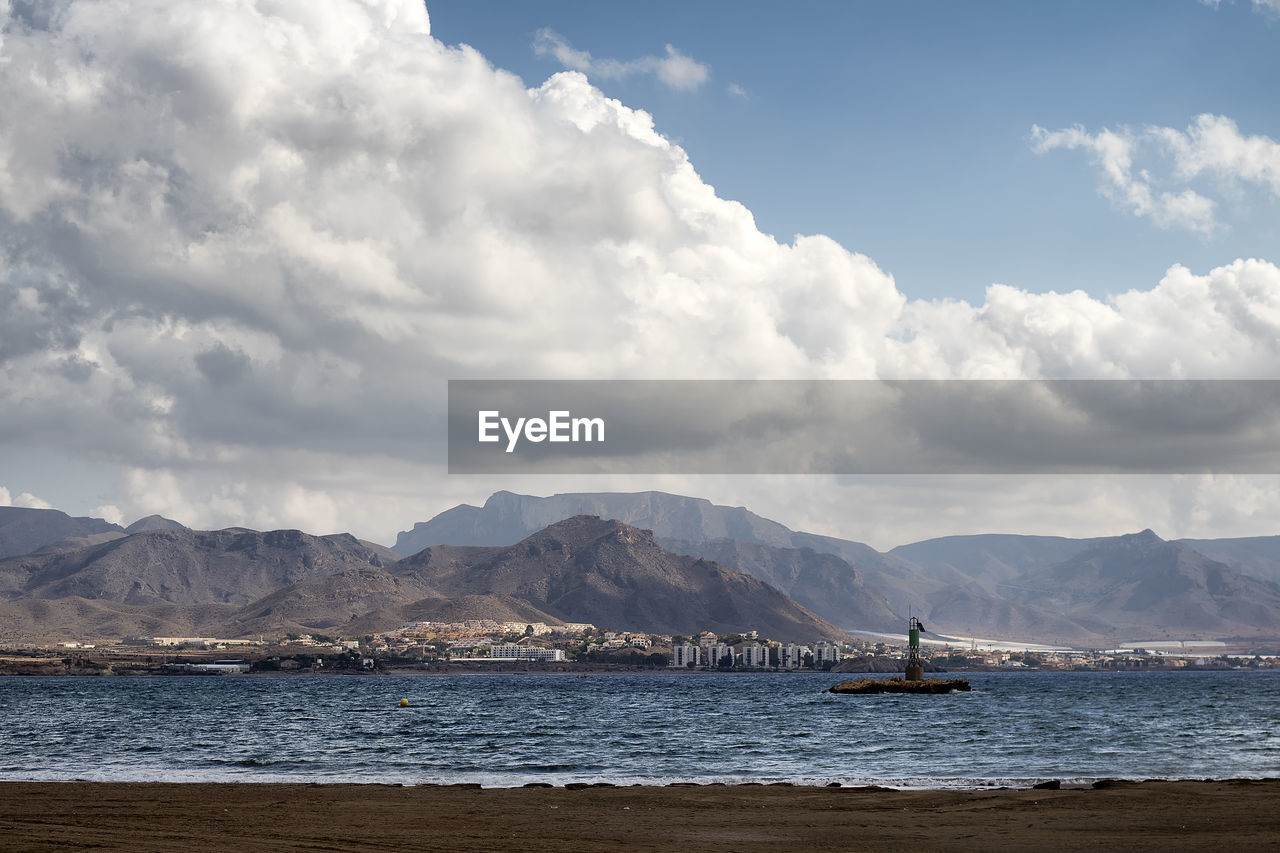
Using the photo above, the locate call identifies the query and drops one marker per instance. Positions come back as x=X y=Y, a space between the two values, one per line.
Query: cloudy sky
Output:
x=244 y=243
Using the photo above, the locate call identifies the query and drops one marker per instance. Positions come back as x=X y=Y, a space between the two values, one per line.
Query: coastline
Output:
x=51 y=665
x=1150 y=815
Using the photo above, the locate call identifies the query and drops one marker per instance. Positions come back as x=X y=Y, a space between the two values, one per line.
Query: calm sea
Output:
x=505 y=730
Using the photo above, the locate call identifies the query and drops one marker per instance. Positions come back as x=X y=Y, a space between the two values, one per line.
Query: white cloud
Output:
x=1214 y=145
x=738 y=92
x=1113 y=154
x=674 y=69
x=1211 y=147
x=25 y=499
x=108 y=512
x=31 y=501
x=243 y=245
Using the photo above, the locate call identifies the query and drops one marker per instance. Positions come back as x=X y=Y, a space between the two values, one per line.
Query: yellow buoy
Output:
x=404 y=703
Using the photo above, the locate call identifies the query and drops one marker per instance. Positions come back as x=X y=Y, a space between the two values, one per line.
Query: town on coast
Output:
x=490 y=645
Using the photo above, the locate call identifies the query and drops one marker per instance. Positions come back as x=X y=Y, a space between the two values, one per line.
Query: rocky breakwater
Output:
x=898 y=684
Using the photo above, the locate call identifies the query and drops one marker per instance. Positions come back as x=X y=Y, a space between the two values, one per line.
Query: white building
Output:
x=755 y=656
x=824 y=652
x=684 y=655
x=719 y=652
x=792 y=656
x=511 y=651
x=181 y=641
x=223 y=667
x=536 y=629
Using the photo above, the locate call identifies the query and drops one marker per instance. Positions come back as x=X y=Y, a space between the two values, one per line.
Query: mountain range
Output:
x=1083 y=591
x=644 y=561
x=171 y=581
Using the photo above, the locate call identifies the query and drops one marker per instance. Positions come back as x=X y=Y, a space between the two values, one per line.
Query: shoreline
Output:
x=1148 y=815
x=885 y=785
x=46 y=668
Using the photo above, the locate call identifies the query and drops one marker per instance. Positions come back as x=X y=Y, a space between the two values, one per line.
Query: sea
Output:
x=510 y=729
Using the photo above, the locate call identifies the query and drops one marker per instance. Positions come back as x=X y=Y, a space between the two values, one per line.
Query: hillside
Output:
x=692 y=526
x=506 y=518
x=990 y=585
x=1256 y=556
x=48 y=621
x=991 y=558
x=238 y=582
x=186 y=567
x=1140 y=584
x=24 y=530
x=166 y=579
x=329 y=602
x=823 y=583
x=585 y=569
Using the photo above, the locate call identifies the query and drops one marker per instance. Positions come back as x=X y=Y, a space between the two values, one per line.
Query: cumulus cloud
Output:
x=1211 y=147
x=243 y=245
x=25 y=499
x=108 y=512
x=674 y=69
x=1215 y=146
x=1113 y=154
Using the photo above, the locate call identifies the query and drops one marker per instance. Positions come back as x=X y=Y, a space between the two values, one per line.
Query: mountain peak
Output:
x=1143 y=538
x=25 y=529
x=502 y=498
x=604 y=571
x=154 y=522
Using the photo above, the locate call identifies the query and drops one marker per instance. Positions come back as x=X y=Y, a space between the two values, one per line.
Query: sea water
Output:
x=654 y=728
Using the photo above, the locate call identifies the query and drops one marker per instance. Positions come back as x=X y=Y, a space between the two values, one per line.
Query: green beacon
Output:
x=915 y=668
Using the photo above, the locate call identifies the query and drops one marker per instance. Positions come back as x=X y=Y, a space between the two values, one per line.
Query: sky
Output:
x=901 y=130
x=244 y=244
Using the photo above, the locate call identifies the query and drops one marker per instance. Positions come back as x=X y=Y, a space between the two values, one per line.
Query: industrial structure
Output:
x=915 y=668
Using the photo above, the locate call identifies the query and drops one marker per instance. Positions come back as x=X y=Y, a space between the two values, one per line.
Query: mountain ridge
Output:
x=585 y=568
x=23 y=529
x=990 y=585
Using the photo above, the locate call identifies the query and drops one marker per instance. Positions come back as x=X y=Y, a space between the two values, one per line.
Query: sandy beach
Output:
x=1156 y=816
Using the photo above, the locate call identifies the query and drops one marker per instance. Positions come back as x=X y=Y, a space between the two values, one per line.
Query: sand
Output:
x=140 y=817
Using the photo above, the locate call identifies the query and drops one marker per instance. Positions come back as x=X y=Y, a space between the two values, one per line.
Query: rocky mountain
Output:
x=989 y=559
x=76 y=543
x=506 y=518
x=1145 y=587
x=154 y=522
x=693 y=526
x=39 y=620
x=988 y=585
x=238 y=582
x=1256 y=556
x=1089 y=590
x=603 y=571
x=332 y=603
x=187 y=567
x=166 y=579
x=24 y=530
x=970 y=610
x=824 y=583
